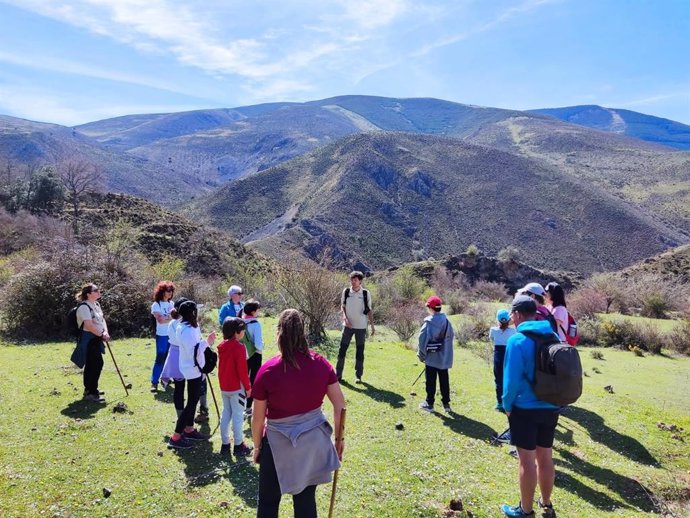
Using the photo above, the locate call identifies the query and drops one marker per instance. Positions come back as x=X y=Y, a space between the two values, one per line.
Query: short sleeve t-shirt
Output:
x=95 y=314
x=164 y=308
x=499 y=337
x=289 y=391
x=560 y=313
x=354 y=307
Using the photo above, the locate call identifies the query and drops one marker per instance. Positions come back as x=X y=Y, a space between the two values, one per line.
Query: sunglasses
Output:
x=95 y=290
x=170 y=290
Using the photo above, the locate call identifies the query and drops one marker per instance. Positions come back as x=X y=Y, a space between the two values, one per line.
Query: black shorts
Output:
x=532 y=428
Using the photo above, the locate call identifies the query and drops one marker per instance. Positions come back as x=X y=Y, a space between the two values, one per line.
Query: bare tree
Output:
x=79 y=177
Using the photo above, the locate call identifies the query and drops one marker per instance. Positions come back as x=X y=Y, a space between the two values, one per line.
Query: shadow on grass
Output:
x=164 y=396
x=384 y=396
x=82 y=409
x=244 y=478
x=466 y=426
x=564 y=435
x=612 y=439
x=628 y=489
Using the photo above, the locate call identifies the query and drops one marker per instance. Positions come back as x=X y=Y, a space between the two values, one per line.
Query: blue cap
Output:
x=503 y=315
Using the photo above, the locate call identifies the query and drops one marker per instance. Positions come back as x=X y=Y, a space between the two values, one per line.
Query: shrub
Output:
x=679 y=338
x=655 y=305
x=637 y=351
x=169 y=267
x=471 y=329
x=489 y=291
x=648 y=337
x=314 y=291
x=406 y=320
x=509 y=254
x=35 y=302
x=586 y=303
x=597 y=355
x=408 y=287
x=589 y=330
x=457 y=301
x=472 y=250
x=615 y=333
x=443 y=282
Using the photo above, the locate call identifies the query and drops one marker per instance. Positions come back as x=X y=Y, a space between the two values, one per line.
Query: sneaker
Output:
x=447 y=409
x=225 y=449
x=248 y=412
x=505 y=438
x=95 y=398
x=241 y=450
x=100 y=392
x=358 y=380
x=515 y=511
x=180 y=444
x=426 y=406
x=499 y=408
x=154 y=388
x=513 y=452
x=546 y=509
x=195 y=435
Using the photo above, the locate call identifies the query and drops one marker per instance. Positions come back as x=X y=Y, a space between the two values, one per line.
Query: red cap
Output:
x=434 y=302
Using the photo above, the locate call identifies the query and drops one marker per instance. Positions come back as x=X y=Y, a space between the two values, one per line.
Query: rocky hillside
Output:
x=390 y=198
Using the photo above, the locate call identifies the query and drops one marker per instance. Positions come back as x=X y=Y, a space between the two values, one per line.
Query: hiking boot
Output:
x=95 y=398
x=241 y=450
x=426 y=407
x=515 y=511
x=225 y=449
x=546 y=509
x=358 y=380
x=154 y=388
x=195 y=435
x=180 y=444
x=447 y=409
x=100 y=392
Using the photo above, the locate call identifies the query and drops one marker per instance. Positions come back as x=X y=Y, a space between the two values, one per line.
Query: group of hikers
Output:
x=283 y=397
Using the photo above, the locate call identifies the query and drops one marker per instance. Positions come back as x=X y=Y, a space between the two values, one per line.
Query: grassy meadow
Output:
x=613 y=459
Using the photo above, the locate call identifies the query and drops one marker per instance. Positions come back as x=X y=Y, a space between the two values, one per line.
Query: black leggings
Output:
x=187 y=416
x=178 y=394
x=253 y=366
x=304 y=503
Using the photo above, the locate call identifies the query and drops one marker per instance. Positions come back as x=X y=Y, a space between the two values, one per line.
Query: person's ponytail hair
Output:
x=83 y=294
x=188 y=312
x=556 y=293
x=291 y=337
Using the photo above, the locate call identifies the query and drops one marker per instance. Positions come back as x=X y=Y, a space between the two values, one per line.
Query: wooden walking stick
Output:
x=116 y=368
x=213 y=395
x=339 y=436
x=420 y=375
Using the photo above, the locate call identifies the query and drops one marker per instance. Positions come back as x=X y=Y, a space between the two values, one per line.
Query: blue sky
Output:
x=75 y=61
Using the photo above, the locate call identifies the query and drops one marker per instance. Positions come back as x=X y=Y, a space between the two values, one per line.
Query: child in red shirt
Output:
x=234 y=384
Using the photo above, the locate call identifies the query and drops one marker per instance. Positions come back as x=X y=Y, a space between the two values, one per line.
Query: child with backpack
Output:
x=536 y=292
x=253 y=342
x=566 y=328
x=435 y=350
x=234 y=383
x=171 y=369
x=499 y=338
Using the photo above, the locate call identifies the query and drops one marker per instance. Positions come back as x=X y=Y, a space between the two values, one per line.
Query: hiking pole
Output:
x=116 y=368
x=420 y=375
x=213 y=395
x=339 y=437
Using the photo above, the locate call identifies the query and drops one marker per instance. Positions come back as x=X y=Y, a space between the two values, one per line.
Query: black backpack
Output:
x=210 y=359
x=72 y=327
x=365 y=294
x=558 y=372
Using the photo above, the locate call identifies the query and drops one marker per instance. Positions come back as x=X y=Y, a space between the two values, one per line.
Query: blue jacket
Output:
x=227 y=310
x=433 y=329
x=519 y=366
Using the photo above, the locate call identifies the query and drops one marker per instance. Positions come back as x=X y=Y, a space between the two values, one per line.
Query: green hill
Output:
x=389 y=198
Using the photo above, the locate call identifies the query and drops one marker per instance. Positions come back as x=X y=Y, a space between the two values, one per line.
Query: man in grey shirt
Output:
x=355 y=307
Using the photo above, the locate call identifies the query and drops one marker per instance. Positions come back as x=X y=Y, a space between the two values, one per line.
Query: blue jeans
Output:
x=499 y=356
x=162 y=346
x=233 y=411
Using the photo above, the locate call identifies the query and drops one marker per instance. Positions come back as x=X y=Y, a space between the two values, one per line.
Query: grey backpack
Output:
x=558 y=372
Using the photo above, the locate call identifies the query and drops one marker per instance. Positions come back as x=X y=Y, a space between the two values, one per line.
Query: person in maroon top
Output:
x=292 y=437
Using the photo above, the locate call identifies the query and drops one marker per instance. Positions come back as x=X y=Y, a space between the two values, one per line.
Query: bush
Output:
x=471 y=329
x=406 y=320
x=626 y=335
x=589 y=330
x=597 y=355
x=679 y=338
x=472 y=250
x=314 y=291
x=586 y=303
x=457 y=301
x=489 y=291
x=615 y=333
x=443 y=282
x=35 y=302
x=509 y=254
x=408 y=287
